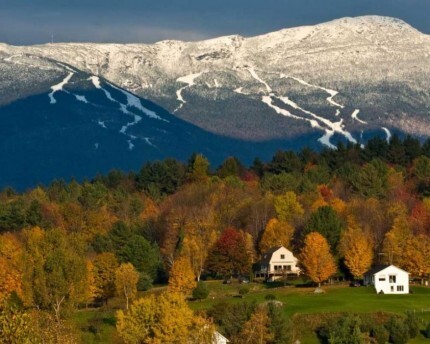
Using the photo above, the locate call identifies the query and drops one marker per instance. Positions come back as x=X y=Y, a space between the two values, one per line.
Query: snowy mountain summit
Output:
x=344 y=80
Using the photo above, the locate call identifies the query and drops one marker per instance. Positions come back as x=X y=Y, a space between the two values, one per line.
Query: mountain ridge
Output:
x=344 y=80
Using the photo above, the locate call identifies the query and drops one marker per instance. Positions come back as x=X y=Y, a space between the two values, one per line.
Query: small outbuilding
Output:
x=388 y=279
x=277 y=262
x=218 y=338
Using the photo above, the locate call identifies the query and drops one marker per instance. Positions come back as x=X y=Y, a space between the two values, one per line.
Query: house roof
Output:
x=379 y=268
x=267 y=256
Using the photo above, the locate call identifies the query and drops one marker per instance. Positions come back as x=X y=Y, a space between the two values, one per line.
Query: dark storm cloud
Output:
x=29 y=22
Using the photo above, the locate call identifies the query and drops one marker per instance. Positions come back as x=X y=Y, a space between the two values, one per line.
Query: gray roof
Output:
x=267 y=256
x=379 y=268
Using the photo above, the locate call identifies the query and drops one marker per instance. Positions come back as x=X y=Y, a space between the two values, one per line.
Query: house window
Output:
x=287 y=267
x=282 y=256
x=382 y=278
x=392 y=278
x=400 y=288
x=392 y=288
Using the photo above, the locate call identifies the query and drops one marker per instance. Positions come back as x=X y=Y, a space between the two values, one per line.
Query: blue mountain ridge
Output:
x=56 y=135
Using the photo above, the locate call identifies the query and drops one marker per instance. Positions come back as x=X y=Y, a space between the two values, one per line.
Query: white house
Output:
x=278 y=261
x=218 y=338
x=388 y=279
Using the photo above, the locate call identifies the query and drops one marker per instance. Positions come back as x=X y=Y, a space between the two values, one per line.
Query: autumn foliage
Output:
x=316 y=258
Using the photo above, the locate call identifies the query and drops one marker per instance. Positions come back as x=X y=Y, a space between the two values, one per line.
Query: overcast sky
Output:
x=142 y=21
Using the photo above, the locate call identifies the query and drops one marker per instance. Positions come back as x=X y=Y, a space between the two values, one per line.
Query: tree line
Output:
x=72 y=244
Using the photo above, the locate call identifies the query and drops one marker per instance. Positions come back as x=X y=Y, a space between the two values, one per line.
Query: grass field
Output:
x=98 y=326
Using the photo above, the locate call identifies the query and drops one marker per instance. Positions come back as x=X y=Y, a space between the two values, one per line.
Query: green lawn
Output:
x=97 y=326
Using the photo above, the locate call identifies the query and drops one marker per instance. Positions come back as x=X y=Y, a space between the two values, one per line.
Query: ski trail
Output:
x=59 y=88
x=124 y=128
x=333 y=126
x=189 y=80
x=355 y=114
x=81 y=98
x=133 y=101
x=332 y=93
x=269 y=102
x=217 y=84
x=330 y=127
x=388 y=134
x=325 y=139
x=254 y=74
x=96 y=82
x=102 y=124
x=337 y=112
x=148 y=142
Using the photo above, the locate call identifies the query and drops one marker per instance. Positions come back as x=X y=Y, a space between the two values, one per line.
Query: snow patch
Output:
x=332 y=93
x=59 y=87
x=254 y=74
x=325 y=139
x=81 y=98
x=333 y=126
x=190 y=81
x=133 y=101
x=355 y=114
x=388 y=133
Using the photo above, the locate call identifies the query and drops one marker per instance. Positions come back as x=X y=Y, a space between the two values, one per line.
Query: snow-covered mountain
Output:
x=342 y=80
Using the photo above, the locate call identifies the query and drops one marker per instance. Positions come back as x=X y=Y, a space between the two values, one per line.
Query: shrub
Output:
x=399 y=331
x=427 y=331
x=380 y=334
x=243 y=291
x=201 y=291
x=345 y=330
x=144 y=282
x=413 y=324
x=270 y=297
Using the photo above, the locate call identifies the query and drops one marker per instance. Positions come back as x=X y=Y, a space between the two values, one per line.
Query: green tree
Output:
x=198 y=168
x=326 y=222
x=371 y=180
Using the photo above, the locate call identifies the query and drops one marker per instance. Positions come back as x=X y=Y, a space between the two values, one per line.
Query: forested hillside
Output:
x=70 y=245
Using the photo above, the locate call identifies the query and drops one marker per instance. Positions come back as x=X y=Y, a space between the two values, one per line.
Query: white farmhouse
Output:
x=276 y=262
x=388 y=279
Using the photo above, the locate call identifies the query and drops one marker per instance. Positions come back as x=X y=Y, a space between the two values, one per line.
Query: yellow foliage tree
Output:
x=195 y=247
x=357 y=249
x=256 y=330
x=317 y=259
x=165 y=318
x=395 y=241
x=126 y=278
x=276 y=233
x=10 y=267
x=182 y=279
x=417 y=256
x=288 y=207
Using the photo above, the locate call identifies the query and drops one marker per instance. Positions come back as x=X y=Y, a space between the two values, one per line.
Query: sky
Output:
x=25 y=22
